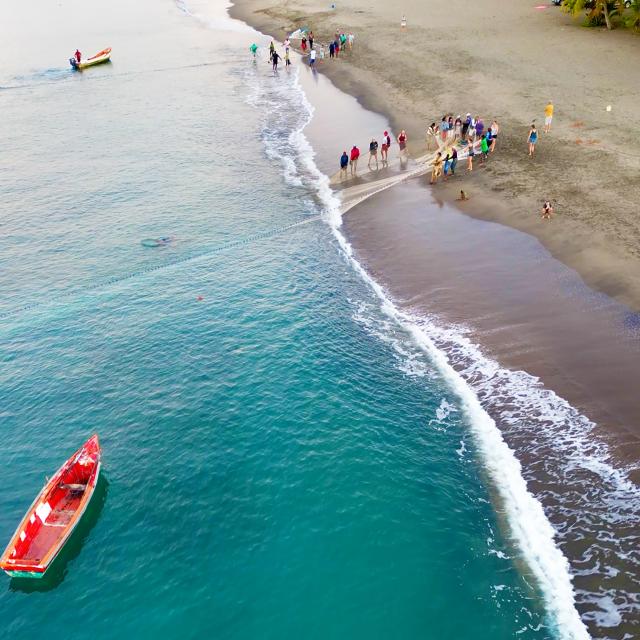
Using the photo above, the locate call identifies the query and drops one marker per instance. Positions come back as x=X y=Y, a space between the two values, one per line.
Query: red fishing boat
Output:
x=54 y=514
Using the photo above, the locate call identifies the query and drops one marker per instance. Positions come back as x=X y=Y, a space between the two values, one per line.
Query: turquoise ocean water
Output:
x=281 y=460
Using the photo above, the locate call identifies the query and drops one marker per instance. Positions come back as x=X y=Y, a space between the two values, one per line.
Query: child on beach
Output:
x=547 y=210
x=470 y=155
x=355 y=154
x=532 y=139
x=373 y=153
x=447 y=166
x=454 y=161
x=436 y=168
x=344 y=163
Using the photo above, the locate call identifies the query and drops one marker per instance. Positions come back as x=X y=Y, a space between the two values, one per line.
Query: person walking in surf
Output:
x=275 y=56
x=272 y=49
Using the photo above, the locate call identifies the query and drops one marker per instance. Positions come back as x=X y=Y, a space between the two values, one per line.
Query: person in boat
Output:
x=78 y=56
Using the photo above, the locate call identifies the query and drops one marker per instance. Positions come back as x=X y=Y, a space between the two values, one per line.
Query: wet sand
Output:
x=528 y=310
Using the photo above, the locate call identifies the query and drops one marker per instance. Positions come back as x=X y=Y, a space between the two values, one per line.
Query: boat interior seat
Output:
x=73 y=487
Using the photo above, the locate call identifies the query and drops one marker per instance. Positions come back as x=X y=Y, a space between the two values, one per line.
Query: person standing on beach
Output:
x=465 y=126
x=286 y=44
x=373 y=152
x=479 y=127
x=355 y=154
x=532 y=139
x=275 y=56
x=336 y=45
x=312 y=58
x=454 y=161
x=402 y=143
x=484 y=147
x=332 y=49
x=287 y=58
x=495 y=127
x=344 y=163
x=436 y=168
x=386 y=144
x=310 y=40
x=470 y=155
x=447 y=166
x=272 y=48
x=432 y=132
x=457 y=128
x=350 y=39
x=303 y=44
x=548 y=116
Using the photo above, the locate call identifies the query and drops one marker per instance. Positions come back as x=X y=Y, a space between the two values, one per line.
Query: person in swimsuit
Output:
x=532 y=139
x=373 y=153
x=470 y=155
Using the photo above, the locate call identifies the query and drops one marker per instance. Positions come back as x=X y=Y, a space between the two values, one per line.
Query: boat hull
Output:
x=54 y=515
x=100 y=58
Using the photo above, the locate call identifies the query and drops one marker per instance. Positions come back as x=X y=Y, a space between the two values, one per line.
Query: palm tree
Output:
x=633 y=21
x=597 y=10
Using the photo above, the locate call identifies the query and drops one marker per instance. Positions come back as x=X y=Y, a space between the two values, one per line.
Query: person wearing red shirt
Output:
x=78 y=56
x=355 y=154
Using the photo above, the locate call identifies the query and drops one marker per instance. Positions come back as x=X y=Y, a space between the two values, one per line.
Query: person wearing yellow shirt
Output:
x=548 y=117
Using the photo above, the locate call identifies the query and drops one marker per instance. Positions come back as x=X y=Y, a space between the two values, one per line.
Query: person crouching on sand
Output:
x=344 y=163
x=373 y=153
x=436 y=168
x=547 y=210
x=355 y=154
x=463 y=196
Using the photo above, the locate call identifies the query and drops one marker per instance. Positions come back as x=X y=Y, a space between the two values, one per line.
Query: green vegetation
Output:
x=611 y=13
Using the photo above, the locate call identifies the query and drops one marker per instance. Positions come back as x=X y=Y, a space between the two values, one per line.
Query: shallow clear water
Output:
x=279 y=460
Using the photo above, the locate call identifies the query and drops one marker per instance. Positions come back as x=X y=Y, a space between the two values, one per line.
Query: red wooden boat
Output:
x=54 y=514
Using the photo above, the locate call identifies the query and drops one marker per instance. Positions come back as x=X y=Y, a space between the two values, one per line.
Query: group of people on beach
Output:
x=350 y=161
x=471 y=137
x=309 y=48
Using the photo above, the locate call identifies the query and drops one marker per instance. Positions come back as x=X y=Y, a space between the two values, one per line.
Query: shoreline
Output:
x=505 y=338
x=604 y=252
